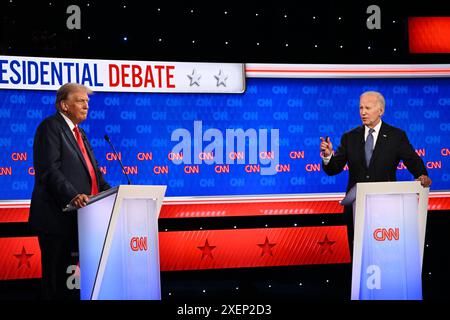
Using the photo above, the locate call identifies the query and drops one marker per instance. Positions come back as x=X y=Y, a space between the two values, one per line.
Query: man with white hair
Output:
x=371 y=151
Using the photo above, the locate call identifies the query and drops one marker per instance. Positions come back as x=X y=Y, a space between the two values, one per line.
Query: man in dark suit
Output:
x=66 y=173
x=371 y=151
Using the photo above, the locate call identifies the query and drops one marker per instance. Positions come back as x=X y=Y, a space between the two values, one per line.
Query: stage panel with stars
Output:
x=247 y=248
x=20 y=258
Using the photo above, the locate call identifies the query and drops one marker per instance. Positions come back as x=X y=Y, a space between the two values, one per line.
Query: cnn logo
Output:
x=138 y=243
x=381 y=234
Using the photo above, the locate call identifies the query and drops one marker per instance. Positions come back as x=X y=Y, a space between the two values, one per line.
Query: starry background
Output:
x=283 y=32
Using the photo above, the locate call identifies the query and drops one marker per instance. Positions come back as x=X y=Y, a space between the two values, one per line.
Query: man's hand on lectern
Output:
x=80 y=200
x=425 y=181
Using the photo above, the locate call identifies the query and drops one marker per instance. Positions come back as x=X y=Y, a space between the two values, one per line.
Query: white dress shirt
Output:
x=69 y=123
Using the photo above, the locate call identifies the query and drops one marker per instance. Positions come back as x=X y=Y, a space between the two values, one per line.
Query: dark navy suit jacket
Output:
x=60 y=174
x=391 y=147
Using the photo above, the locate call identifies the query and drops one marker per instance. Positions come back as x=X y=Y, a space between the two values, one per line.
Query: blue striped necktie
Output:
x=368 y=148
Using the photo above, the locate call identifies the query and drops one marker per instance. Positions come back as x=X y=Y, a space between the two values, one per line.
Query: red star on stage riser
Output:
x=325 y=245
x=24 y=258
x=266 y=247
x=207 y=250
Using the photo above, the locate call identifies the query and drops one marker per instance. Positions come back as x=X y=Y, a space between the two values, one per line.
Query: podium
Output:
x=390 y=222
x=118 y=244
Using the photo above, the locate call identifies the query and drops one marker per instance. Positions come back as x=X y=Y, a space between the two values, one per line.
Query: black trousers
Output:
x=348 y=220
x=58 y=255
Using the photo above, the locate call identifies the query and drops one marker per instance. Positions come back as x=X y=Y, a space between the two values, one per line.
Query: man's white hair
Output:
x=379 y=97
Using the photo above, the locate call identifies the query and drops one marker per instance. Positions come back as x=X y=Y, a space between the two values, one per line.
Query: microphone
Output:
x=118 y=158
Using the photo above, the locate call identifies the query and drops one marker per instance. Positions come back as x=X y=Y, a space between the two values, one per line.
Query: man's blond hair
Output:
x=65 y=90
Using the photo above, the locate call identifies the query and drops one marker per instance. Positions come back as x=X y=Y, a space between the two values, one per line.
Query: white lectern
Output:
x=390 y=222
x=118 y=244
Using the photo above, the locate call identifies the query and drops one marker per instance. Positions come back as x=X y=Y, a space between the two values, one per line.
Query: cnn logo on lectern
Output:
x=382 y=234
x=138 y=244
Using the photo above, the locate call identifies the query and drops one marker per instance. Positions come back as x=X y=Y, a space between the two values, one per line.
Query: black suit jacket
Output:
x=392 y=145
x=60 y=174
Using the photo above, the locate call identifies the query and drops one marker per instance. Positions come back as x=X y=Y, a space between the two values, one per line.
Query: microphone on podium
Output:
x=118 y=158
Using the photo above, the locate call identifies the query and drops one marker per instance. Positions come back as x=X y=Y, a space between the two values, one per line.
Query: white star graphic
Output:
x=194 y=77
x=221 y=78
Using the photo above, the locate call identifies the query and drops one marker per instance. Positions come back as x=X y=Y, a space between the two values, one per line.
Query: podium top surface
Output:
x=138 y=190
x=93 y=199
x=390 y=187
x=103 y=194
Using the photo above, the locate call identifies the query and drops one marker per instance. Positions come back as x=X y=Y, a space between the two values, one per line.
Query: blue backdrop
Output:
x=140 y=126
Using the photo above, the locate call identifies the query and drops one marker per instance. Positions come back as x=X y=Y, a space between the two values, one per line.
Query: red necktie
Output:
x=94 y=189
